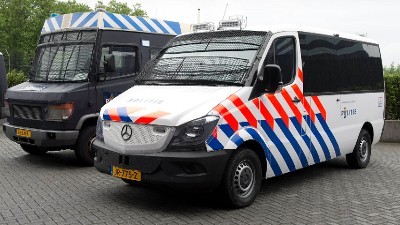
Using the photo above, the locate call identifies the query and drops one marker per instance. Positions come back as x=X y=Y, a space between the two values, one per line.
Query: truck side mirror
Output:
x=109 y=63
x=272 y=78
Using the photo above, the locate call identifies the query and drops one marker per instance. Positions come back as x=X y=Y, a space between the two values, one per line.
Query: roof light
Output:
x=54 y=14
x=203 y=27
x=233 y=23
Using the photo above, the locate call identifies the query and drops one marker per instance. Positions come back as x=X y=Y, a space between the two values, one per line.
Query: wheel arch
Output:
x=368 y=126
x=258 y=149
x=87 y=120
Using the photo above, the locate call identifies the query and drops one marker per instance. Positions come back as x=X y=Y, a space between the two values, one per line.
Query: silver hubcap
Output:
x=363 y=149
x=244 y=179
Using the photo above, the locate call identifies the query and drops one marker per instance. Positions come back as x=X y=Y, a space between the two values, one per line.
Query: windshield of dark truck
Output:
x=64 y=56
x=214 y=58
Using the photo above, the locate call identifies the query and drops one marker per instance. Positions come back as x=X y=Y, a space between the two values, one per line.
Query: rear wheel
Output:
x=242 y=178
x=33 y=150
x=83 y=148
x=361 y=154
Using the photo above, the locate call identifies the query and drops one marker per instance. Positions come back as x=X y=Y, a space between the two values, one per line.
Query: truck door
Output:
x=126 y=67
x=321 y=95
x=289 y=131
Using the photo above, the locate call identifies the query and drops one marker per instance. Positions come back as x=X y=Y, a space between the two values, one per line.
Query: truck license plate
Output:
x=23 y=133
x=127 y=174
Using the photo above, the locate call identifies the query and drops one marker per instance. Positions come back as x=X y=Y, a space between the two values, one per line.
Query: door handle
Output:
x=296 y=99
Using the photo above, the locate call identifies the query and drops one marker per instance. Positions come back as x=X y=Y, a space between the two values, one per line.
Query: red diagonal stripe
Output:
x=228 y=117
x=300 y=74
x=113 y=113
x=147 y=119
x=265 y=113
x=279 y=108
x=304 y=102
x=319 y=106
x=244 y=110
x=292 y=105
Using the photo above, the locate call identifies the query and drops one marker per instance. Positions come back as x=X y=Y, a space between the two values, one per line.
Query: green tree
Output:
x=392 y=85
x=122 y=8
x=69 y=7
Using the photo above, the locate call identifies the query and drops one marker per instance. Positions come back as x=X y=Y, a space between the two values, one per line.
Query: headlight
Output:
x=6 y=108
x=192 y=136
x=60 y=112
x=99 y=129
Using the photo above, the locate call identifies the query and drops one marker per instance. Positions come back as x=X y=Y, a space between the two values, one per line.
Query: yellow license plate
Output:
x=127 y=174
x=23 y=133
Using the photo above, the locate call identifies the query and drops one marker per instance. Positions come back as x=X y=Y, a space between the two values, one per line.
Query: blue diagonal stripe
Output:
x=237 y=139
x=293 y=142
x=123 y=114
x=160 y=26
x=271 y=159
x=105 y=115
x=319 y=138
x=281 y=148
x=88 y=17
x=59 y=20
x=75 y=17
x=117 y=21
x=329 y=133
x=151 y=28
x=131 y=22
x=51 y=27
x=214 y=143
x=174 y=26
x=306 y=139
x=227 y=129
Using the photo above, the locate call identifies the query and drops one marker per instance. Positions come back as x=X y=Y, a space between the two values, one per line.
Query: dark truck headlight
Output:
x=192 y=135
x=59 y=112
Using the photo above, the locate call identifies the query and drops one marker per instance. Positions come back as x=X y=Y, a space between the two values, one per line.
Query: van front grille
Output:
x=27 y=112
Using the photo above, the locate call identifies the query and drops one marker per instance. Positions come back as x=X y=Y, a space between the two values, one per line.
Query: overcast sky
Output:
x=378 y=19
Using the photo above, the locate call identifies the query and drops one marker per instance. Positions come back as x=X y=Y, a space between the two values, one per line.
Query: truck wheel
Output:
x=83 y=150
x=361 y=154
x=242 y=178
x=33 y=150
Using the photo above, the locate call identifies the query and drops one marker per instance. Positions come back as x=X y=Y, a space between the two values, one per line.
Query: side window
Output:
x=319 y=60
x=282 y=53
x=126 y=62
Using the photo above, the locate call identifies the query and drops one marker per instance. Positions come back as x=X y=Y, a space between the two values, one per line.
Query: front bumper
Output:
x=188 y=170
x=42 y=138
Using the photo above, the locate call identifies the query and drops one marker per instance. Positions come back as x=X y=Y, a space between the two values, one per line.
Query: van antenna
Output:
x=225 y=11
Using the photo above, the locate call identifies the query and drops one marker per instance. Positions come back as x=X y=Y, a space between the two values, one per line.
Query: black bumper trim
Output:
x=188 y=170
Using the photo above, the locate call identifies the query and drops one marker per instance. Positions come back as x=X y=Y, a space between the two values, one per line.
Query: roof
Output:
x=105 y=20
x=299 y=28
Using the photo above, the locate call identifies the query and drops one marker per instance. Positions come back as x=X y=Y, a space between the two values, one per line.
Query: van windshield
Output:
x=63 y=57
x=214 y=58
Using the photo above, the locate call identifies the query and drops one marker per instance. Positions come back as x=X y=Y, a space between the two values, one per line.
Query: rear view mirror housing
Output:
x=271 y=79
x=109 y=63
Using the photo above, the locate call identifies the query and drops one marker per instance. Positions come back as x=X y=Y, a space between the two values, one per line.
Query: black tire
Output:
x=132 y=182
x=33 y=150
x=361 y=154
x=83 y=151
x=242 y=178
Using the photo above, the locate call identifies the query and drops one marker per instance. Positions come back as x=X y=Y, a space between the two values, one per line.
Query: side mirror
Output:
x=272 y=77
x=109 y=63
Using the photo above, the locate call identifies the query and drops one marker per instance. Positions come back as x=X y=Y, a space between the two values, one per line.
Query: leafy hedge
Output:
x=15 y=77
x=392 y=84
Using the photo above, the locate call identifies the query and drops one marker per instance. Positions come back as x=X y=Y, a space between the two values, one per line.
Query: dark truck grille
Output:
x=27 y=112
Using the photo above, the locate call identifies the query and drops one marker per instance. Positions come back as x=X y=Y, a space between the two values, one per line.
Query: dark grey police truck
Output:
x=82 y=61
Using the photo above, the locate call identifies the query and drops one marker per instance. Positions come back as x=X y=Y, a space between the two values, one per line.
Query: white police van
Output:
x=226 y=109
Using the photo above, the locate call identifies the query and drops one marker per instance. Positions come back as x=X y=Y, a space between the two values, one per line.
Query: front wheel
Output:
x=33 y=150
x=361 y=154
x=83 y=148
x=242 y=178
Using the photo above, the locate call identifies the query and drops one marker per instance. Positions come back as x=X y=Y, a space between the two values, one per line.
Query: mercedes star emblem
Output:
x=126 y=132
